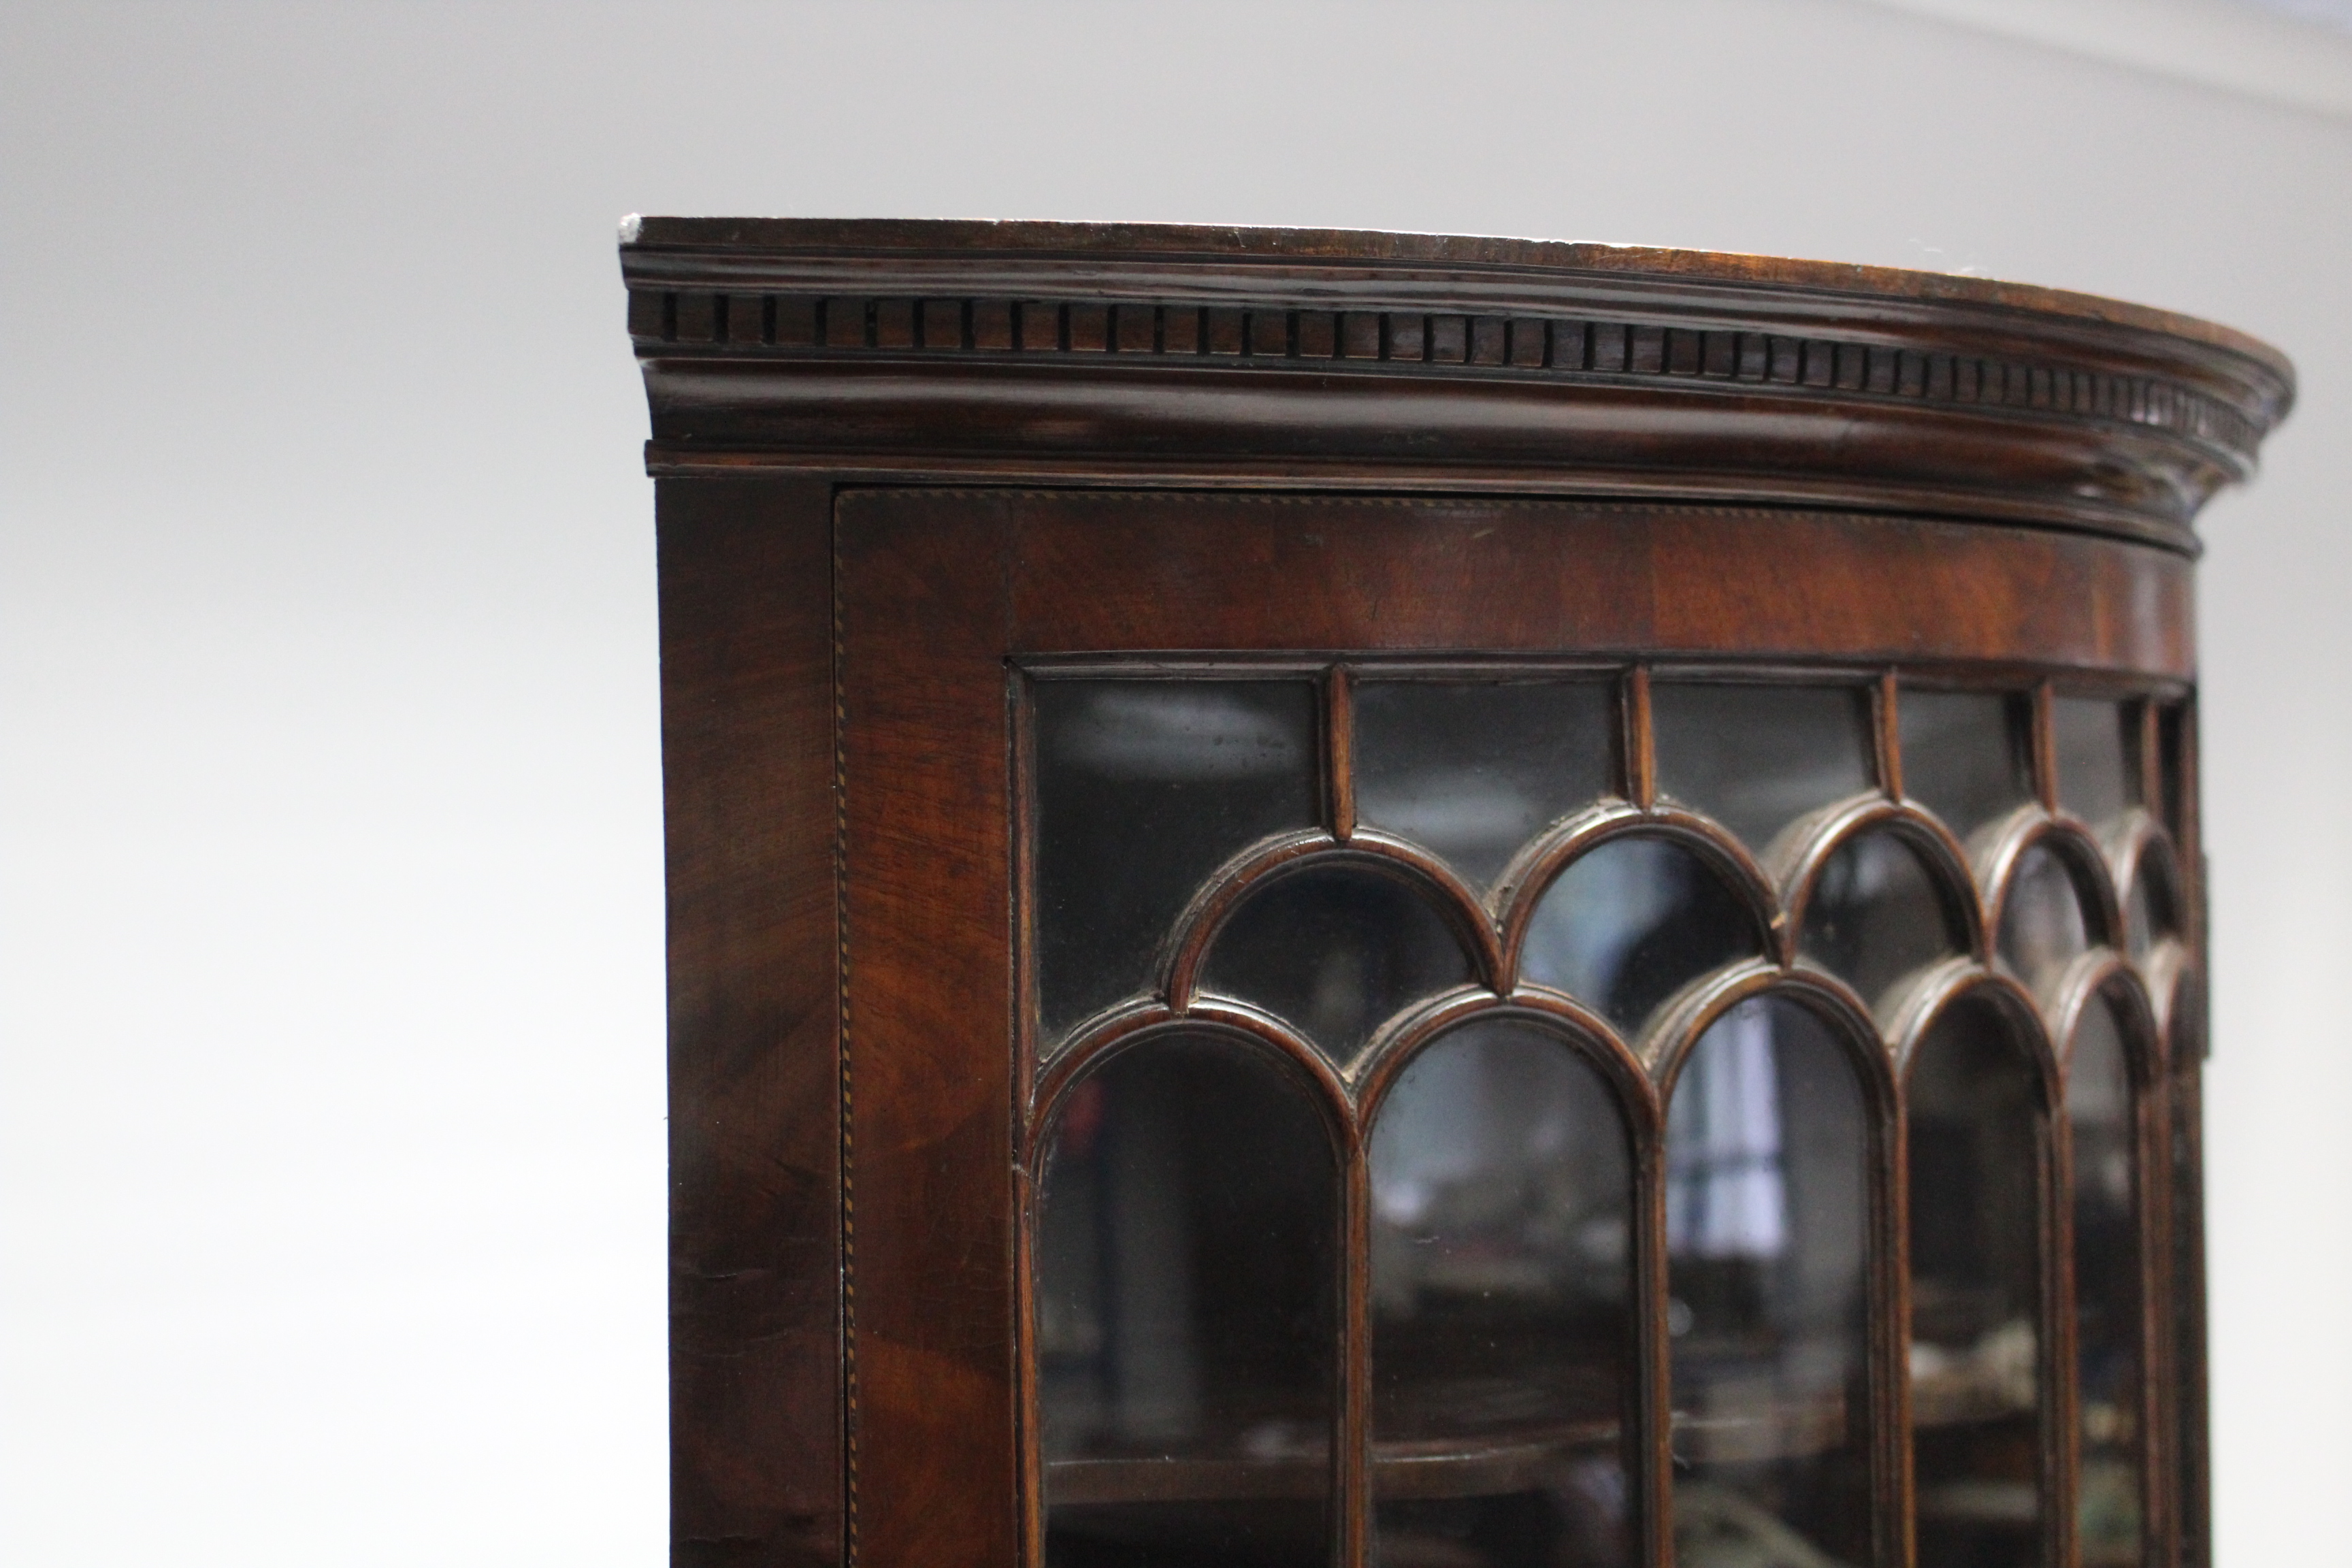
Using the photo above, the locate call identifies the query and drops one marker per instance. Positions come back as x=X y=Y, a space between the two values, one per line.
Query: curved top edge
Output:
x=1229 y=242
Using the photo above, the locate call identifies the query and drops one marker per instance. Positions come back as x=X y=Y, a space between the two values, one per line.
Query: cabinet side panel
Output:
x=754 y=1074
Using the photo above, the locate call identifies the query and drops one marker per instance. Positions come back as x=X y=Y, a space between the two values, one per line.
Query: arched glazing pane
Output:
x=1756 y=758
x=1878 y=914
x=2098 y=762
x=1629 y=922
x=1967 y=756
x=1977 y=1122
x=2150 y=908
x=1145 y=787
x=2042 y=924
x=1473 y=770
x=1335 y=951
x=1187 y=1326
x=2109 y=1509
x=1502 y=1301
x=1767 y=1208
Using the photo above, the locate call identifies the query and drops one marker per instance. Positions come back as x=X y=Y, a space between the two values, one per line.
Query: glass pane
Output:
x=2172 y=735
x=2096 y=765
x=1976 y=1156
x=2150 y=908
x=1877 y=915
x=1143 y=789
x=2043 y=928
x=1502 y=1303
x=1967 y=756
x=1474 y=770
x=1629 y=923
x=1755 y=758
x=1335 y=951
x=2106 y=1292
x=1187 y=1278
x=1767 y=1227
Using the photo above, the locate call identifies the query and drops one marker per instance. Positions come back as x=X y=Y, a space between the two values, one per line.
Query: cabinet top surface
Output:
x=1152 y=353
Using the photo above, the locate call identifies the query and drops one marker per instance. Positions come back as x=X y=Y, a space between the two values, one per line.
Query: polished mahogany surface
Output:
x=1344 y=899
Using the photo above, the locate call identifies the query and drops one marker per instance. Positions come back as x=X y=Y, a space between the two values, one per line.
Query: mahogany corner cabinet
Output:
x=1347 y=898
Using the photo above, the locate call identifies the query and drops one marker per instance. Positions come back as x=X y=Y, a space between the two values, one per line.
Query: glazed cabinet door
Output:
x=1492 y=1033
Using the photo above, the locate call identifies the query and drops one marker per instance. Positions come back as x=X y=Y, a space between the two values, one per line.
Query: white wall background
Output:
x=331 y=1035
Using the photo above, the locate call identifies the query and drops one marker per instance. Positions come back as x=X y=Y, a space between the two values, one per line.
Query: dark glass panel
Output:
x=1186 y=1323
x=1335 y=951
x=1629 y=922
x=1976 y=1125
x=2171 y=740
x=2099 y=1117
x=1756 y=758
x=1502 y=1307
x=2097 y=756
x=1143 y=789
x=1767 y=1204
x=1474 y=770
x=1968 y=756
x=2151 y=908
x=1876 y=914
x=2042 y=924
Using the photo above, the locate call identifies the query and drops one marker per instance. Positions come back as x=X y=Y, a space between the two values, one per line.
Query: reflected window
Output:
x=1335 y=951
x=1502 y=1301
x=1144 y=788
x=1977 y=1126
x=1472 y=771
x=1629 y=922
x=1968 y=756
x=2043 y=927
x=2101 y=1123
x=1756 y=758
x=1186 y=1323
x=1878 y=914
x=2098 y=759
x=1766 y=1230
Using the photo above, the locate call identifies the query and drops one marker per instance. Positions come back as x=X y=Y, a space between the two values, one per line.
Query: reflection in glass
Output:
x=1968 y=756
x=1976 y=1125
x=1187 y=1281
x=1767 y=1218
x=2150 y=908
x=1876 y=914
x=1474 y=770
x=1502 y=1303
x=1143 y=789
x=1629 y=922
x=2100 y=1123
x=2042 y=924
x=1755 y=758
x=1335 y=951
x=2098 y=760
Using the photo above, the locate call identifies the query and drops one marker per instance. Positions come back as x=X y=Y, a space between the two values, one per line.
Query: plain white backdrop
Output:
x=330 y=1030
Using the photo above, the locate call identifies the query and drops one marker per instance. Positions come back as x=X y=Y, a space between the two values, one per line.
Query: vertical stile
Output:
x=1888 y=735
x=1353 y=1438
x=2065 y=1462
x=2150 y=725
x=1026 y=1045
x=1641 y=757
x=1339 y=752
x=1651 y=1421
x=2153 y=1189
x=1895 y=1537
